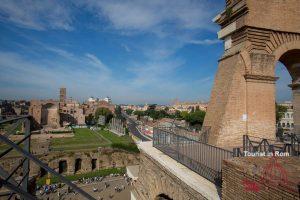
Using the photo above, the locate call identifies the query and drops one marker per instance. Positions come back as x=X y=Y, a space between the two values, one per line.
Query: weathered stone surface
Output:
x=161 y=175
x=243 y=97
x=106 y=158
x=239 y=173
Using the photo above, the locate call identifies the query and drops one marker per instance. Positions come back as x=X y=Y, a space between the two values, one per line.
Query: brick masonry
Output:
x=155 y=180
x=244 y=178
x=243 y=97
x=105 y=158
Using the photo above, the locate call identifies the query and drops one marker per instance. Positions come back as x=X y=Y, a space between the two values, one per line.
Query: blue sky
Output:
x=134 y=51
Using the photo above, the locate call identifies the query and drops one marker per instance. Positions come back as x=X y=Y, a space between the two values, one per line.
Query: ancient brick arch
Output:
x=256 y=34
x=162 y=197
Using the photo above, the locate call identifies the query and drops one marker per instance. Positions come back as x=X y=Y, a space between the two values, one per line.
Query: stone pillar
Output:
x=242 y=100
x=296 y=106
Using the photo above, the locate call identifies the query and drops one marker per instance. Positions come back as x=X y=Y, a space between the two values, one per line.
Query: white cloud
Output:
x=37 y=15
x=96 y=62
x=205 y=42
x=59 y=51
x=169 y=24
x=127 y=49
x=155 y=15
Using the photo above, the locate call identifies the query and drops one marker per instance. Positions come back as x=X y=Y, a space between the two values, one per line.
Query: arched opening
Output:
x=94 y=164
x=62 y=166
x=43 y=172
x=163 y=197
x=288 y=93
x=77 y=164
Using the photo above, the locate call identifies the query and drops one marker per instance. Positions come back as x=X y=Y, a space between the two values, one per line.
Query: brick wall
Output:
x=243 y=178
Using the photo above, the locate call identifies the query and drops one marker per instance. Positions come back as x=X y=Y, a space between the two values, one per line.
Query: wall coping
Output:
x=201 y=185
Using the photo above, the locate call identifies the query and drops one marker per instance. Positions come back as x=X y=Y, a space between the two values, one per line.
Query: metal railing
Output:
x=202 y=158
x=8 y=179
x=254 y=144
x=201 y=136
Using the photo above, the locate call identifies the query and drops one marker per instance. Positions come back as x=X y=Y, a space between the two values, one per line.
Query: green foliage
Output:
x=151 y=107
x=128 y=147
x=228 y=12
x=194 y=118
x=118 y=112
x=184 y=115
x=156 y=114
x=105 y=112
x=123 y=142
x=129 y=111
x=102 y=172
x=177 y=114
x=89 y=120
x=280 y=110
x=279 y=132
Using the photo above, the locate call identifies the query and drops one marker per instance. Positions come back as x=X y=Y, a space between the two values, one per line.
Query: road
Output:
x=132 y=126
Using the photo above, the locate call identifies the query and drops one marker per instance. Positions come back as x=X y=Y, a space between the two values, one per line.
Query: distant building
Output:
x=45 y=113
x=287 y=121
x=135 y=107
x=71 y=112
x=92 y=104
x=187 y=106
x=92 y=99
x=62 y=94
x=107 y=99
x=54 y=114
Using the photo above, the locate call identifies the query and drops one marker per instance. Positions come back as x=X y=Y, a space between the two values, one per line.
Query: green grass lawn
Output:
x=102 y=172
x=86 y=139
x=83 y=138
x=120 y=142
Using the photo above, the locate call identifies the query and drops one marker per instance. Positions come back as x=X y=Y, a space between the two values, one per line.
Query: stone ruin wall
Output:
x=105 y=158
x=154 y=180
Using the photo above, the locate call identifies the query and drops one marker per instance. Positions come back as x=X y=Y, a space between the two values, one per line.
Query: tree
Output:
x=177 y=114
x=280 y=111
x=196 y=117
x=118 y=112
x=151 y=107
x=129 y=111
x=184 y=115
x=105 y=112
x=89 y=120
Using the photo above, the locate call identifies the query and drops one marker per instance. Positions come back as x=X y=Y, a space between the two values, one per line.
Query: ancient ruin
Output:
x=116 y=126
x=256 y=34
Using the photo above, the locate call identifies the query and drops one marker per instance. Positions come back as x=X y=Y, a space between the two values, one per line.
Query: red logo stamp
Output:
x=272 y=174
x=250 y=186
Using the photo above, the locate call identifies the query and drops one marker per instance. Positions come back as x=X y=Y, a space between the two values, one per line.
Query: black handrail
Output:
x=7 y=179
x=202 y=158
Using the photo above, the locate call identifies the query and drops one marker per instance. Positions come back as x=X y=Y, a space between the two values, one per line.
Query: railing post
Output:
x=237 y=152
x=177 y=146
x=26 y=162
x=244 y=143
x=271 y=148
